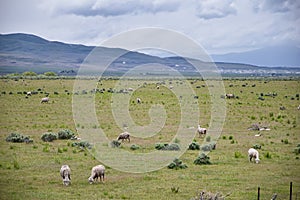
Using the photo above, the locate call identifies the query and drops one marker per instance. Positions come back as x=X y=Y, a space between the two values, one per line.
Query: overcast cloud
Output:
x=220 y=26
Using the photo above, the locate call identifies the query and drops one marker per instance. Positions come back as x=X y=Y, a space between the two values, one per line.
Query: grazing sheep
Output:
x=253 y=153
x=28 y=93
x=201 y=131
x=298 y=107
x=97 y=172
x=229 y=96
x=124 y=136
x=138 y=100
x=65 y=173
x=45 y=100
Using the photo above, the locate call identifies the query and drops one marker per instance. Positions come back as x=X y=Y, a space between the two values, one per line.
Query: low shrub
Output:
x=202 y=159
x=194 y=146
x=49 y=137
x=115 y=144
x=297 y=149
x=256 y=146
x=209 y=147
x=203 y=195
x=65 y=134
x=177 y=164
x=238 y=154
x=18 y=138
x=134 y=147
x=82 y=144
x=167 y=147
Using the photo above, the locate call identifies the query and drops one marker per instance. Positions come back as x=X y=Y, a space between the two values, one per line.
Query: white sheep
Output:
x=124 y=136
x=65 y=173
x=253 y=153
x=201 y=131
x=138 y=100
x=97 y=172
x=45 y=100
x=28 y=93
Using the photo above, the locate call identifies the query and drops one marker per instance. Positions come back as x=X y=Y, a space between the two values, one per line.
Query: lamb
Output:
x=97 y=172
x=124 y=136
x=201 y=131
x=253 y=153
x=45 y=100
x=65 y=173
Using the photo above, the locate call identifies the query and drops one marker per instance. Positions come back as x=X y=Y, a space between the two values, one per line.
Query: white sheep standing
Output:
x=201 y=131
x=45 y=100
x=65 y=173
x=138 y=100
x=253 y=153
x=97 y=172
x=124 y=136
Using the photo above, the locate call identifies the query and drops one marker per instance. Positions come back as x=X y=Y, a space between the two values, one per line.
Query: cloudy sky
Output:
x=220 y=26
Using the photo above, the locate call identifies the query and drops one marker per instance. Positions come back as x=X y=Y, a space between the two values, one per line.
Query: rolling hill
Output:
x=23 y=52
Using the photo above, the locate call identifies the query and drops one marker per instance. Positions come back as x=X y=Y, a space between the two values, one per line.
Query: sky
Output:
x=219 y=26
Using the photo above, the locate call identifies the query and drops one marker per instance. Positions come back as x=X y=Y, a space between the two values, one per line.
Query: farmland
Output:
x=31 y=171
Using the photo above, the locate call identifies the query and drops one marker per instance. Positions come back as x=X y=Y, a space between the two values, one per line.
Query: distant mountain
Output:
x=276 y=56
x=23 y=52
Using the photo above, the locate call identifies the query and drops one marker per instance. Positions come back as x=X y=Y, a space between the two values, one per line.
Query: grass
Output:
x=31 y=171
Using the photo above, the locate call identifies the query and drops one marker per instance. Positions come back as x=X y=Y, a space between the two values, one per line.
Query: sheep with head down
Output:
x=97 y=172
x=65 y=173
x=253 y=153
x=124 y=136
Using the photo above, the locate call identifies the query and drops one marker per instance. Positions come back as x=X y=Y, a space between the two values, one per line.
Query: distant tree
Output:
x=50 y=74
x=29 y=74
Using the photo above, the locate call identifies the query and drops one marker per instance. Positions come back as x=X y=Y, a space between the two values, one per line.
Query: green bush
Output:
x=65 y=134
x=167 y=147
x=297 y=149
x=256 y=146
x=134 y=147
x=49 y=137
x=82 y=144
x=208 y=138
x=18 y=138
x=194 y=146
x=238 y=154
x=115 y=144
x=208 y=147
x=177 y=164
x=202 y=159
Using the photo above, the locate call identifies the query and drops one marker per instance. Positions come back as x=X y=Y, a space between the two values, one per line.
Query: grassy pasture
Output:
x=31 y=171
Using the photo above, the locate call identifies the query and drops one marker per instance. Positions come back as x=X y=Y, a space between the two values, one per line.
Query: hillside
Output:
x=23 y=52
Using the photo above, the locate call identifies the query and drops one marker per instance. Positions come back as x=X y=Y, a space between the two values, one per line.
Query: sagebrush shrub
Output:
x=256 y=146
x=115 y=143
x=82 y=144
x=167 y=147
x=202 y=159
x=194 y=146
x=177 y=164
x=65 y=134
x=49 y=137
x=134 y=147
x=297 y=149
x=18 y=138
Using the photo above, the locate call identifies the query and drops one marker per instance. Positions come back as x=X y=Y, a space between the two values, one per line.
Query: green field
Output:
x=31 y=171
